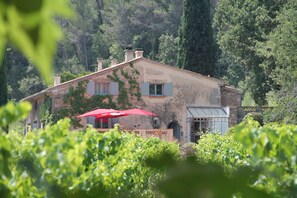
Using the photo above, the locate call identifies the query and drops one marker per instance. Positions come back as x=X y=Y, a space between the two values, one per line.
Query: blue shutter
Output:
x=91 y=87
x=114 y=88
x=168 y=89
x=145 y=89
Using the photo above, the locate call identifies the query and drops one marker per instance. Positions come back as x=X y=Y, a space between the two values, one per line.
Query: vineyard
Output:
x=250 y=161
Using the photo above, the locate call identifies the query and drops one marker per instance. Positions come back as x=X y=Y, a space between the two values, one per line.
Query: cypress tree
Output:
x=196 y=45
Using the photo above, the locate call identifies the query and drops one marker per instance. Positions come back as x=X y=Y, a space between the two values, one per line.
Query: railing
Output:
x=244 y=110
x=163 y=134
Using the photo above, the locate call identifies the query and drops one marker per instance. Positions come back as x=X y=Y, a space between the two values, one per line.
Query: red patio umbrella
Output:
x=138 y=112
x=97 y=112
x=111 y=115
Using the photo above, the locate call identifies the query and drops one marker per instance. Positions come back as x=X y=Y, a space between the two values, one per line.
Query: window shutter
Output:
x=91 y=120
x=145 y=89
x=114 y=88
x=91 y=87
x=168 y=89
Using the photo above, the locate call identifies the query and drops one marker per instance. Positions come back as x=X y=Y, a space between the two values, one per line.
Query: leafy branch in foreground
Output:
x=30 y=27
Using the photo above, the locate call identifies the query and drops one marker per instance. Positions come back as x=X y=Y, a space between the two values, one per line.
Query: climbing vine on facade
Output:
x=45 y=110
x=75 y=102
x=129 y=89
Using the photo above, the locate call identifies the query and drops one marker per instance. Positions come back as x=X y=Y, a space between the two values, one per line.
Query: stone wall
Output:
x=189 y=89
x=162 y=134
x=232 y=98
x=33 y=120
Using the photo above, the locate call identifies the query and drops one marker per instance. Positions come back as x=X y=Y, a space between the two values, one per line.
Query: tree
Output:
x=17 y=65
x=168 y=49
x=79 y=35
x=196 y=45
x=31 y=83
x=140 y=23
x=229 y=70
x=243 y=28
x=282 y=45
x=286 y=109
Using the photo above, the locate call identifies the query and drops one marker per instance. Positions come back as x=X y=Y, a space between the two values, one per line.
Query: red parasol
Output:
x=98 y=112
x=111 y=115
x=138 y=112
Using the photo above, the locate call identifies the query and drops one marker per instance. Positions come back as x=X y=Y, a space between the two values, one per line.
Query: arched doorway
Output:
x=176 y=129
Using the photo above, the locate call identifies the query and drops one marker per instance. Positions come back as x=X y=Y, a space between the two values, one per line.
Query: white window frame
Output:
x=102 y=88
x=155 y=89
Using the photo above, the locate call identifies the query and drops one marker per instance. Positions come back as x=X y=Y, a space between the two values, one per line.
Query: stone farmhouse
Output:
x=187 y=102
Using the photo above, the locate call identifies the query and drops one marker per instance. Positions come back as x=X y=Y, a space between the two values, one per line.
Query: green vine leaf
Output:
x=29 y=26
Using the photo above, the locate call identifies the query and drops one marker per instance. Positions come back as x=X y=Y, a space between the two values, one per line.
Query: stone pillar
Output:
x=57 y=80
x=129 y=54
x=99 y=66
x=231 y=97
x=114 y=62
x=138 y=53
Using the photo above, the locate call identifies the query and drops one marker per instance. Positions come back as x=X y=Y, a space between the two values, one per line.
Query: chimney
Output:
x=57 y=80
x=114 y=62
x=138 y=53
x=129 y=54
x=99 y=62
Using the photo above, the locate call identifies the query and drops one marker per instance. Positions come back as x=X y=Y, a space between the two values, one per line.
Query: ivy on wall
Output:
x=129 y=89
x=45 y=110
x=76 y=104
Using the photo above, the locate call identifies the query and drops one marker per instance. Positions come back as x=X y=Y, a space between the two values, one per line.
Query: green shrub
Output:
x=253 y=119
x=59 y=162
x=222 y=150
x=273 y=151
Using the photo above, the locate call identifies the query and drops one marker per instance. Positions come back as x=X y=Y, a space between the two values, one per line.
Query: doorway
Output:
x=176 y=129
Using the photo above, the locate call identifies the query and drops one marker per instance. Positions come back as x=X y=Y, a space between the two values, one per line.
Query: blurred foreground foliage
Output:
x=269 y=151
x=29 y=26
x=54 y=162
x=253 y=161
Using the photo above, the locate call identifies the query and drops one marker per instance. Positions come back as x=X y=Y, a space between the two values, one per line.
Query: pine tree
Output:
x=196 y=45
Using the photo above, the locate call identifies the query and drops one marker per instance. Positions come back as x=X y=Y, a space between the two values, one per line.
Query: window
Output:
x=102 y=88
x=156 y=89
x=101 y=123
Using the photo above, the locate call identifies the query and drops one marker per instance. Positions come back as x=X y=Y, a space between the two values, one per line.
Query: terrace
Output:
x=103 y=118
